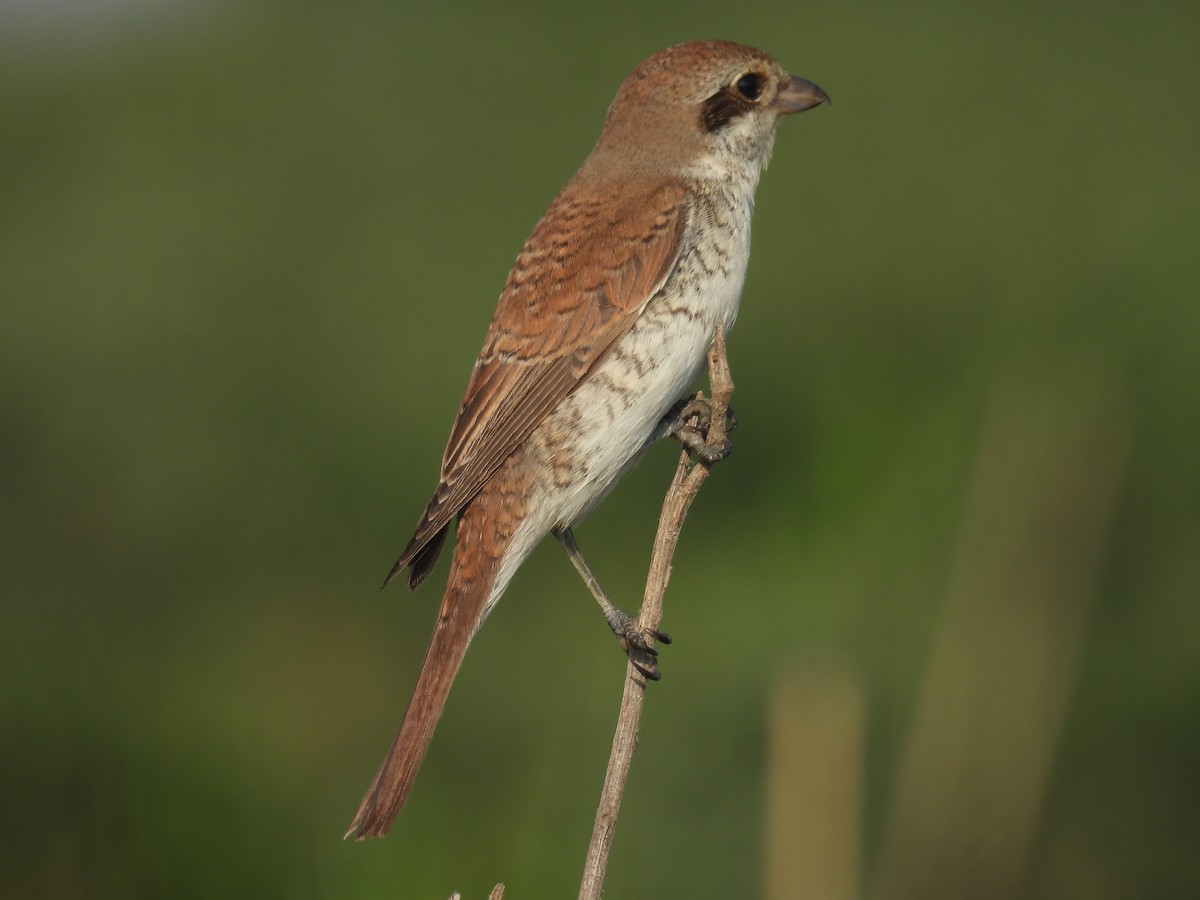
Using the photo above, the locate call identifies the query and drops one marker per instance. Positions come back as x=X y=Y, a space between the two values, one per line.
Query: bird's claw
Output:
x=693 y=435
x=637 y=644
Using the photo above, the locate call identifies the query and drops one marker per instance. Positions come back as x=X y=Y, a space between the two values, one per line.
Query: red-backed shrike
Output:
x=603 y=325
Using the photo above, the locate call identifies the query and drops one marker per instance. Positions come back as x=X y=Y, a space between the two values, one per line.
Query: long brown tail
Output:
x=462 y=609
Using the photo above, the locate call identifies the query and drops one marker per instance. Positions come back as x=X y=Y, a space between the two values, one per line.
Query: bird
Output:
x=600 y=331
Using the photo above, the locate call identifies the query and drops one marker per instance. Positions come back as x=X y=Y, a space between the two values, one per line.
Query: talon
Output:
x=694 y=435
x=650 y=672
x=635 y=641
x=638 y=640
x=691 y=437
x=710 y=454
x=645 y=660
x=695 y=406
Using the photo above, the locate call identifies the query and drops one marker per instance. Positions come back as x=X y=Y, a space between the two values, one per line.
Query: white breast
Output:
x=614 y=413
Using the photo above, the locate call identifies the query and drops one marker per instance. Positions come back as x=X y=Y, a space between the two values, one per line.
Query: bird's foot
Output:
x=638 y=642
x=689 y=423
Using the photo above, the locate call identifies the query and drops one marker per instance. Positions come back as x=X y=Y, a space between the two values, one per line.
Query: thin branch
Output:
x=685 y=486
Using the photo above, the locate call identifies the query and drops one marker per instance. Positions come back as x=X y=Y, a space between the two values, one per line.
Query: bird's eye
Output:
x=749 y=86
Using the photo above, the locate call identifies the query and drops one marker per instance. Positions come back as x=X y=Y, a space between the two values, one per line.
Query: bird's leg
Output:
x=688 y=422
x=634 y=640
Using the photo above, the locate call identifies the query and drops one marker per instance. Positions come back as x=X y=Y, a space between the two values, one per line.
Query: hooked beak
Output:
x=797 y=94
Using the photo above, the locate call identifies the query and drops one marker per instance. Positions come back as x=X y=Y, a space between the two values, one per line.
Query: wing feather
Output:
x=592 y=264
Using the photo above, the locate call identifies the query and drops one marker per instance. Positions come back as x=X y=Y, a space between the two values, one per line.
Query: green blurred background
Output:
x=247 y=255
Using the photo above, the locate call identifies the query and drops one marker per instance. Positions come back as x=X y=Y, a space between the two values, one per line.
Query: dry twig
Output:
x=689 y=476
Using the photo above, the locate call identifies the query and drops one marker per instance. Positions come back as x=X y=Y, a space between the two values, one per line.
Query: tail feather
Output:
x=487 y=551
x=460 y=615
